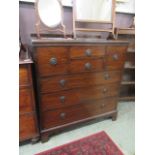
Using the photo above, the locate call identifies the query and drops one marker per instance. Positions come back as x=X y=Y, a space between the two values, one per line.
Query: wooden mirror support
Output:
x=96 y=19
x=126 y=31
x=49 y=14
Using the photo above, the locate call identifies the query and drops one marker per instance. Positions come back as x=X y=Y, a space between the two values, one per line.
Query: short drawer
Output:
x=24 y=75
x=66 y=82
x=73 y=97
x=52 y=60
x=87 y=52
x=115 y=57
x=68 y=115
x=27 y=126
x=77 y=66
x=25 y=100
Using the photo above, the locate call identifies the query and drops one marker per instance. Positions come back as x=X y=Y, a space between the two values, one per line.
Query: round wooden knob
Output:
x=102 y=105
x=115 y=57
x=105 y=90
x=62 y=82
x=88 y=66
x=88 y=52
x=53 y=61
x=62 y=99
x=106 y=76
x=62 y=115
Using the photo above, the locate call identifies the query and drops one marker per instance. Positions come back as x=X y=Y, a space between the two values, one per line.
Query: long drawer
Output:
x=74 y=97
x=65 y=82
x=67 y=115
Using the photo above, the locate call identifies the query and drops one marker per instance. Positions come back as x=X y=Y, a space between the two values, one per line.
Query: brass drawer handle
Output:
x=62 y=99
x=115 y=57
x=62 y=115
x=106 y=76
x=88 y=66
x=62 y=82
x=53 y=61
x=105 y=90
x=88 y=52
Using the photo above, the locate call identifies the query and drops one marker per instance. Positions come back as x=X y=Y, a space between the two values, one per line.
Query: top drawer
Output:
x=45 y=54
x=52 y=60
x=116 y=53
x=87 y=52
x=116 y=56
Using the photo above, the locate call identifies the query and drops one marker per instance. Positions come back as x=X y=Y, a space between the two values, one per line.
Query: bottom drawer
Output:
x=27 y=126
x=66 y=115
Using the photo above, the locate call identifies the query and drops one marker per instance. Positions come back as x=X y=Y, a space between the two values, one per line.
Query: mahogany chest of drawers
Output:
x=77 y=81
x=28 y=126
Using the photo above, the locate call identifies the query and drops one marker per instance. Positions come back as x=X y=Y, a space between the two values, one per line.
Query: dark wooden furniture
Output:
x=28 y=126
x=78 y=80
x=127 y=92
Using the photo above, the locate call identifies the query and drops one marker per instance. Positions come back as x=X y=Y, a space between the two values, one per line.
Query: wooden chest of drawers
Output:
x=77 y=81
x=28 y=126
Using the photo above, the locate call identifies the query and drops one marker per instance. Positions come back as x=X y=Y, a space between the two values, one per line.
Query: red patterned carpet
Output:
x=96 y=144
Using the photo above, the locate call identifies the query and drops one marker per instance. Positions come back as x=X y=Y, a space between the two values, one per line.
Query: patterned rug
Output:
x=96 y=144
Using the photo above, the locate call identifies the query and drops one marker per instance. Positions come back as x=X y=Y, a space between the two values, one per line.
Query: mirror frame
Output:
x=75 y=21
x=41 y=26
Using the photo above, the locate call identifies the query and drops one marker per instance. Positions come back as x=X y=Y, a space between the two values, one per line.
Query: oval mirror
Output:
x=49 y=12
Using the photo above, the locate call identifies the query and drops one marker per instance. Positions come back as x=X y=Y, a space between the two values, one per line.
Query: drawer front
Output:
x=24 y=75
x=73 y=97
x=27 y=126
x=48 y=69
x=116 y=56
x=25 y=100
x=87 y=52
x=58 y=83
x=77 y=66
x=67 y=115
x=52 y=60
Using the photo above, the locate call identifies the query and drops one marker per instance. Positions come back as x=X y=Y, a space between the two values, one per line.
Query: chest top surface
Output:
x=72 y=42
